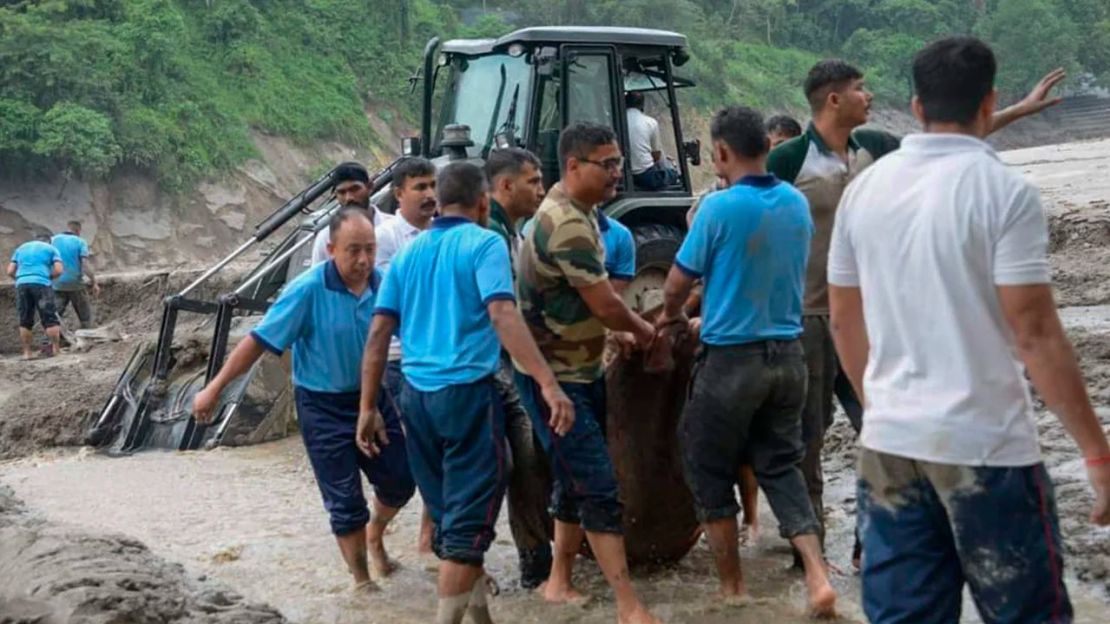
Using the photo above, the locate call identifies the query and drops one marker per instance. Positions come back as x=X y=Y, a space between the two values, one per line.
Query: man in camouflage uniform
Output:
x=568 y=302
x=821 y=163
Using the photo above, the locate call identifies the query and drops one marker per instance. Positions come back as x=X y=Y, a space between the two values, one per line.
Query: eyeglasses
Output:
x=612 y=164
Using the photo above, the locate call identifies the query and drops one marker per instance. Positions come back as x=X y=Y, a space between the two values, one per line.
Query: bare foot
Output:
x=749 y=534
x=381 y=565
x=822 y=601
x=27 y=355
x=568 y=595
x=733 y=599
x=366 y=587
x=639 y=615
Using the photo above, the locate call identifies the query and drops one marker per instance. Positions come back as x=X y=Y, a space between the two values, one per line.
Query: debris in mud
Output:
x=51 y=574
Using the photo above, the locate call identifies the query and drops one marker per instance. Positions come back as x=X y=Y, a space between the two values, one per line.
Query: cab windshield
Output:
x=482 y=92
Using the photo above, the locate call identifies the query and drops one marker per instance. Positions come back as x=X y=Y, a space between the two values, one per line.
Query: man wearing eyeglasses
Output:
x=568 y=303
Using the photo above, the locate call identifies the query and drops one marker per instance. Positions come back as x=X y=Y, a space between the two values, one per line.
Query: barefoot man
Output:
x=568 y=302
x=749 y=244
x=450 y=293
x=324 y=315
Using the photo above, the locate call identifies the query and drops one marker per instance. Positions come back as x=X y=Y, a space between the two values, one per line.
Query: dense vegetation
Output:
x=174 y=86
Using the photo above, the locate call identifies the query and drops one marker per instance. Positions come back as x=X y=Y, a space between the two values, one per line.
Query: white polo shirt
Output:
x=643 y=139
x=927 y=233
x=323 y=237
x=393 y=236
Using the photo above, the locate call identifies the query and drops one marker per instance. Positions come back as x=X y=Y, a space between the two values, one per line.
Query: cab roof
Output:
x=570 y=34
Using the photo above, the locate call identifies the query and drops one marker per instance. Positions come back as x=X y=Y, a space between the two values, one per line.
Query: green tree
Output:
x=1030 y=37
x=79 y=138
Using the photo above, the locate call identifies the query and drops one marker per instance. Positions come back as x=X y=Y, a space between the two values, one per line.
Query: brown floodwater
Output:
x=252 y=519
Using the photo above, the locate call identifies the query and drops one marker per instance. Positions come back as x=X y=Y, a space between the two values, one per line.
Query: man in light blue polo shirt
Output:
x=620 y=251
x=619 y=247
x=69 y=287
x=33 y=264
x=324 y=315
x=749 y=244
x=450 y=292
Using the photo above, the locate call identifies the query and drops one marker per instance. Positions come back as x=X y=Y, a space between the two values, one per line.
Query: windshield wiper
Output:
x=496 y=108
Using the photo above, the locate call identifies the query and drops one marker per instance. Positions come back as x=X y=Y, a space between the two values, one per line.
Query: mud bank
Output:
x=49 y=402
x=55 y=575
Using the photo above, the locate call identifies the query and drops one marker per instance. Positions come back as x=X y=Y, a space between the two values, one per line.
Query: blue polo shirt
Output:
x=73 y=249
x=34 y=260
x=620 y=249
x=616 y=239
x=325 y=324
x=438 y=289
x=750 y=243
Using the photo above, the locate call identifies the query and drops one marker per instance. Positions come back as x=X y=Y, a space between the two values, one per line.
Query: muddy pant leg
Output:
x=842 y=387
x=389 y=472
x=328 y=431
x=82 y=307
x=776 y=443
x=817 y=415
x=424 y=447
x=1007 y=535
x=585 y=490
x=911 y=571
x=727 y=387
x=529 y=487
x=475 y=471
x=62 y=299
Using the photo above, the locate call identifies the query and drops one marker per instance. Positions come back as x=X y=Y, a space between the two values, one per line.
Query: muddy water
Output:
x=251 y=518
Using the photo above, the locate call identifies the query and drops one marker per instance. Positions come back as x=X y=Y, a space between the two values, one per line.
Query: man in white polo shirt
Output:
x=352 y=188
x=940 y=294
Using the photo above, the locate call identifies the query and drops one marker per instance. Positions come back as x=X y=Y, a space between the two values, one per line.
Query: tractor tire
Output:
x=656 y=246
x=643 y=413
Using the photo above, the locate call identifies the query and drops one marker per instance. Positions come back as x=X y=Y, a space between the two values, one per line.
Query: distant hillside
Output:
x=177 y=89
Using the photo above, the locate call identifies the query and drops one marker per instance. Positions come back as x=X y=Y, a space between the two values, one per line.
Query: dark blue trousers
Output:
x=328 y=421
x=457 y=450
x=929 y=528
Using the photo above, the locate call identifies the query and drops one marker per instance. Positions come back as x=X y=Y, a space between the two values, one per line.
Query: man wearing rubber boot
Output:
x=748 y=244
x=516 y=190
x=450 y=295
x=324 y=315
x=568 y=303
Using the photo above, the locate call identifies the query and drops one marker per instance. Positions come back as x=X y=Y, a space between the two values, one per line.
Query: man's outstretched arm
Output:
x=1038 y=100
x=245 y=354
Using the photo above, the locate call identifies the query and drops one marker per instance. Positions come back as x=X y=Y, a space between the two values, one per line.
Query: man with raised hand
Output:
x=820 y=163
x=941 y=302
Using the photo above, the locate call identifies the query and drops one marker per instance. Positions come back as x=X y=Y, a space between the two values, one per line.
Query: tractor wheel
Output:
x=656 y=246
x=644 y=408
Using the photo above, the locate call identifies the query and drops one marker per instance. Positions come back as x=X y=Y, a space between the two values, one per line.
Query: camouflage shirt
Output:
x=562 y=253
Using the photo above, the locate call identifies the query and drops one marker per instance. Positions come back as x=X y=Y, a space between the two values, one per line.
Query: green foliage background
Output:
x=175 y=86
